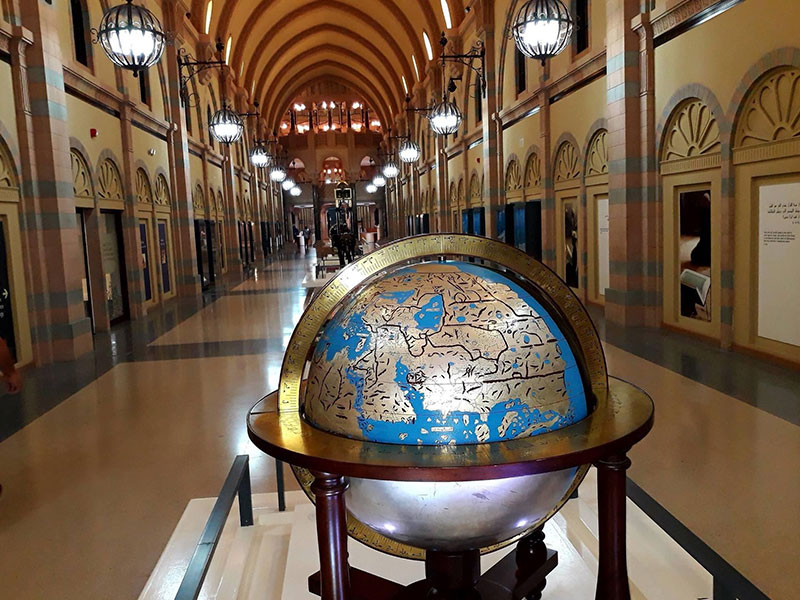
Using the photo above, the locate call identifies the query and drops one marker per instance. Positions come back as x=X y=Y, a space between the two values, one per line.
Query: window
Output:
x=520 y=71
x=448 y=22
x=428 y=47
x=209 y=12
x=581 y=25
x=405 y=85
x=478 y=102
x=228 y=49
x=144 y=87
x=80 y=32
x=416 y=68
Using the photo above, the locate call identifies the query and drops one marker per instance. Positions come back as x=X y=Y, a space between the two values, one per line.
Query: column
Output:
x=60 y=330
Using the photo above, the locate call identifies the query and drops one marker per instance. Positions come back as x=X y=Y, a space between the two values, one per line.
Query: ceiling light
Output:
x=445 y=118
x=131 y=36
x=226 y=126
x=409 y=151
x=542 y=28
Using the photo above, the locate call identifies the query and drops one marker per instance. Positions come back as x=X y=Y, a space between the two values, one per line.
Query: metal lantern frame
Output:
x=277 y=174
x=295 y=191
x=287 y=184
x=130 y=21
x=226 y=116
x=390 y=169
x=447 y=110
x=409 y=146
x=379 y=181
x=538 y=12
x=260 y=156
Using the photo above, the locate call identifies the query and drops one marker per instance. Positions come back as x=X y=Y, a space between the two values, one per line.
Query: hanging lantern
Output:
x=295 y=191
x=409 y=152
x=226 y=126
x=277 y=174
x=260 y=157
x=371 y=188
x=131 y=36
x=445 y=118
x=379 y=181
x=391 y=170
x=287 y=184
x=542 y=28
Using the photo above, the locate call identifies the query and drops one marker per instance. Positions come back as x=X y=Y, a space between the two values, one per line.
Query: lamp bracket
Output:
x=476 y=55
x=188 y=68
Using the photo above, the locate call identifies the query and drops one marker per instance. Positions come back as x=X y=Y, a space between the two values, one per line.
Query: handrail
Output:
x=237 y=482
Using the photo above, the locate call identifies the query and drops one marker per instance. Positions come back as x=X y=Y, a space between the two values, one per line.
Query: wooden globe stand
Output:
x=622 y=418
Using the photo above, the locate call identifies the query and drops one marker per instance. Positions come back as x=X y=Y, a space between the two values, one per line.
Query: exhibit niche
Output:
x=439 y=378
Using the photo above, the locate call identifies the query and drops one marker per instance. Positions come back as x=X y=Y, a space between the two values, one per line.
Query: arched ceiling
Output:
x=280 y=46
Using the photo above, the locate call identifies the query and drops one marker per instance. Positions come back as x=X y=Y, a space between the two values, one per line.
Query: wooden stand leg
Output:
x=612 y=576
x=329 y=491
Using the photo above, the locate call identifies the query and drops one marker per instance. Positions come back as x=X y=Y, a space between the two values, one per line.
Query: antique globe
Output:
x=449 y=353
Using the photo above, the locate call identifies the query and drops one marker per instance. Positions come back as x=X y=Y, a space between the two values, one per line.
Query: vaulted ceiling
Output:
x=278 y=47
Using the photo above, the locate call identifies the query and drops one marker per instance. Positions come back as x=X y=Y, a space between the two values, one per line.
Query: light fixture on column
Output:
x=287 y=184
x=259 y=156
x=379 y=181
x=390 y=169
x=542 y=28
x=296 y=191
x=445 y=118
x=371 y=188
x=131 y=36
x=226 y=126
x=188 y=67
x=277 y=173
x=409 y=151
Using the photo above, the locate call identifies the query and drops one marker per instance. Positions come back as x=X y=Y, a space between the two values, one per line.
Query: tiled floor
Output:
x=100 y=457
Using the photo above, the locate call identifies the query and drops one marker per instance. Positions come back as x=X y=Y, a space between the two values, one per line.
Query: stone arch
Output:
x=566 y=163
x=144 y=189
x=460 y=197
x=533 y=170
x=770 y=111
x=109 y=181
x=9 y=179
x=198 y=199
x=694 y=92
x=691 y=131
x=475 y=190
x=513 y=178
x=162 y=194
x=597 y=154
x=82 y=183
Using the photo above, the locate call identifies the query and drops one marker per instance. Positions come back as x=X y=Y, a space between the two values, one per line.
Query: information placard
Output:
x=778 y=264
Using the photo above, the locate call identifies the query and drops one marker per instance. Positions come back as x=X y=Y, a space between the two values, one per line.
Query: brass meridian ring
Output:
x=418 y=248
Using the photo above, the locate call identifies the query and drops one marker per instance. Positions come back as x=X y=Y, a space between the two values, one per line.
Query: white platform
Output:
x=273 y=559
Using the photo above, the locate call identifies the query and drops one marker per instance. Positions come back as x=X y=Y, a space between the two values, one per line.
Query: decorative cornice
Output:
x=694 y=163
x=681 y=15
x=767 y=151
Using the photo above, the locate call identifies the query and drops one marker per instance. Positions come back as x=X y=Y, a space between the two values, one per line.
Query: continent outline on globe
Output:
x=443 y=353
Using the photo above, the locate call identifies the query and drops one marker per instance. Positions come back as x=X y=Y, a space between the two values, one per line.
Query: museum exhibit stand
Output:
x=441 y=398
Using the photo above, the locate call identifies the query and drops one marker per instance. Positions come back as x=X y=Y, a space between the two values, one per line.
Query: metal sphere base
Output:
x=521 y=575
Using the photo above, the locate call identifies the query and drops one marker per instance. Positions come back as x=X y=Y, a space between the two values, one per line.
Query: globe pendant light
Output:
x=131 y=36
x=226 y=126
x=542 y=28
x=287 y=184
x=409 y=152
x=391 y=170
x=295 y=191
x=372 y=188
x=277 y=174
x=379 y=181
x=260 y=157
x=445 y=118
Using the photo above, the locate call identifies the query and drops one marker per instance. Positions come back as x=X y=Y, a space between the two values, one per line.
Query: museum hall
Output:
x=400 y=299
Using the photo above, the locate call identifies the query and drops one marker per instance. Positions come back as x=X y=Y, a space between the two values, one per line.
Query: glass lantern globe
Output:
x=260 y=157
x=131 y=36
x=379 y=181
x=445 y=118
x=287 y=184
x=372 y=188
x=277 y=174
x=409 y=152
x=295 y=191
x=226 y=126
x=542 y=28
x=391 y=170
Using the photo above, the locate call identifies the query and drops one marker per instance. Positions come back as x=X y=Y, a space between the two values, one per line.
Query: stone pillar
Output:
x=548 y=191
x=627 y=296
x=186 y=275
x=60 y=329
x=130 y=223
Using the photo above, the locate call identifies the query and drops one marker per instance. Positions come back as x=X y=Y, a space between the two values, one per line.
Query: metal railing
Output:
x=237 y=483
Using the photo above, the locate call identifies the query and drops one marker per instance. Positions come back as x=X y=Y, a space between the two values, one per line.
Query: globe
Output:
x=440 y=354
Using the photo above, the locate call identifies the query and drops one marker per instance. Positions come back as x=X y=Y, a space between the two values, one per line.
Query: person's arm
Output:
x=10 y=374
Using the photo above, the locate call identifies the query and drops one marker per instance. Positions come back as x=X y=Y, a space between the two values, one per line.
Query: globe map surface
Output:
x=443 y=353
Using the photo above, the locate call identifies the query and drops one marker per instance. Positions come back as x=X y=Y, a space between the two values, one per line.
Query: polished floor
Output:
x=100 y=457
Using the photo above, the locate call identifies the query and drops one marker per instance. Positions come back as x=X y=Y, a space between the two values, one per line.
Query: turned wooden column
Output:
x=612 y=576
x=328 y=490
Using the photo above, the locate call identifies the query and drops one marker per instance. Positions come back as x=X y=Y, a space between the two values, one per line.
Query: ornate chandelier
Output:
x=409 y=152
x=226 y=126
x=542 y=28
x=131 y=36
x=445 y=118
